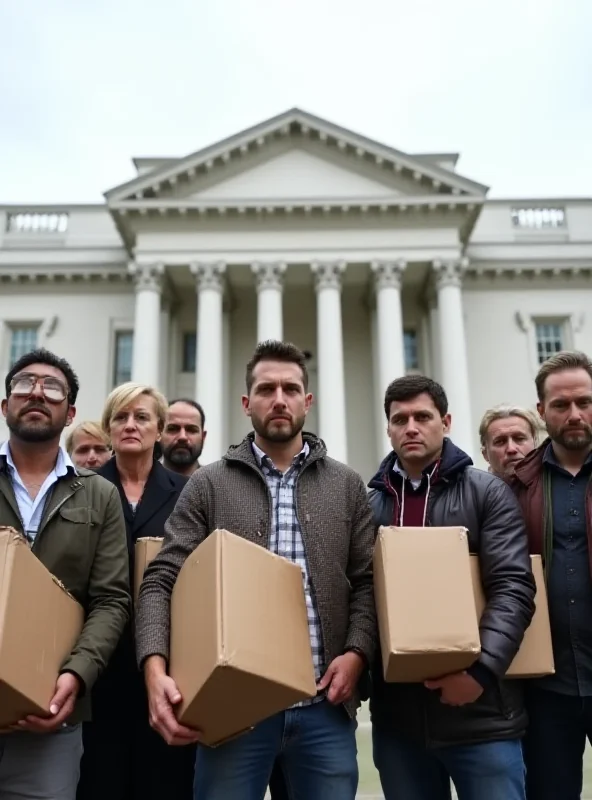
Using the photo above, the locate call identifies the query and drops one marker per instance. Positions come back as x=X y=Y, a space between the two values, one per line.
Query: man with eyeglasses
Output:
x=73 y=521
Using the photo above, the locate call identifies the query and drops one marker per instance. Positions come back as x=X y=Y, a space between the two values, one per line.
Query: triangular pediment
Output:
x=295 y=156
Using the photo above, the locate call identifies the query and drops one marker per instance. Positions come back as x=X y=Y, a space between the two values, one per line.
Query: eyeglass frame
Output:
x=40 y=378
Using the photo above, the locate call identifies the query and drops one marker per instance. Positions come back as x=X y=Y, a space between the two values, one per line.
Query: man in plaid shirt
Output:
x=279 y=489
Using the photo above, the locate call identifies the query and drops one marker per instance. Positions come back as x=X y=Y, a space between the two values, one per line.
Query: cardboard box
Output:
x=424 y=602
x=146 y=549
x=240 y=645
x=39 y=626
x=535 y=656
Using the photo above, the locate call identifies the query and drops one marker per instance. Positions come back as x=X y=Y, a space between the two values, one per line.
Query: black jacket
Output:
x=463 y=495
x=124 y=759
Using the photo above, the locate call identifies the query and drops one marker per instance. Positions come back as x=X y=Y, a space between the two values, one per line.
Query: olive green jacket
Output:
x=82 y=541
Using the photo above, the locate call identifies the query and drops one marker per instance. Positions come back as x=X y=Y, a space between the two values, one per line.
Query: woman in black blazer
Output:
x=124 y=759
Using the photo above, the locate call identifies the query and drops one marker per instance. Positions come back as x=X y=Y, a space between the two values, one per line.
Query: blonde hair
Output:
x=91 y=429
x=504 y=411
x=125 y=394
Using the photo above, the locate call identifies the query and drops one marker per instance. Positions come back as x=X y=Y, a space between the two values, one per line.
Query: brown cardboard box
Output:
x=39 y=625
x=424 y=601
x=147 y=548
x=240 y=646
x=535 y=656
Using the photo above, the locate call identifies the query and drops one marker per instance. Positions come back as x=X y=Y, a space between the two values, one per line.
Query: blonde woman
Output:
x=88 y=445
x=124 y=759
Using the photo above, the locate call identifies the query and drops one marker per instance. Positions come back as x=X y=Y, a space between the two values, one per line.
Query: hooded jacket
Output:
x=458 y=494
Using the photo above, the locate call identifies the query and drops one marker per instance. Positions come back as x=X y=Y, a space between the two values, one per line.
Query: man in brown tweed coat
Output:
x=279 y=489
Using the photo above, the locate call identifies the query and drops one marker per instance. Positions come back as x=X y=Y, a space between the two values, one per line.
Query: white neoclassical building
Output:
x=375 y=262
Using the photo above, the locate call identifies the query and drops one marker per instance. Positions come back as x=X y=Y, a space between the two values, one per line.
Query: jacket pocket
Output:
x=81 y=515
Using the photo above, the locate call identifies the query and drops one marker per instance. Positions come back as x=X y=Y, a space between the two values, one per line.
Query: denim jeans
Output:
x=484 y=771
x=45 y=766
x=317 y=749
x=554 y=744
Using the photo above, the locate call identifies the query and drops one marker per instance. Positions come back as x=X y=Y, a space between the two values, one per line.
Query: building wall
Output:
x=501 y=338
x=83 y=333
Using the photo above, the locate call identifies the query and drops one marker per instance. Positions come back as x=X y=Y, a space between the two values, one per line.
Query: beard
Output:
x=571 y=437
x=182 y=456
x=39 y=430
x=271 y=431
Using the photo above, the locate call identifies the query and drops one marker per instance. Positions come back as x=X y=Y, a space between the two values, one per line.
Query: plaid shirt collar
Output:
x=263 y=460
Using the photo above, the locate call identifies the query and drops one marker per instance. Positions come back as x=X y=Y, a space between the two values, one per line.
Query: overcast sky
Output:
x=85 y=85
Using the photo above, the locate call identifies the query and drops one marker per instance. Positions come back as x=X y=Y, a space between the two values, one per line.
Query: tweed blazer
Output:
x=337 y=529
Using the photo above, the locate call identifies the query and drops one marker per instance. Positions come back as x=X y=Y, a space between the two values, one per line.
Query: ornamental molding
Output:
x=147 y=277
x=209 y=275
x=269 y=275
x=65 y=276
x=328 y=274
x=449 y=272
x=530 y=271
x=294 y=126
x=388 y=274
x=293 y=207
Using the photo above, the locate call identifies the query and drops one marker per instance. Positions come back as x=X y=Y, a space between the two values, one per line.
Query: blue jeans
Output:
x=485 y=771
x=316 y=745
x=554 y=744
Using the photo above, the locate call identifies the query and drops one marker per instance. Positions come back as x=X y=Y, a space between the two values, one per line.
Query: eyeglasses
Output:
x=24 y=384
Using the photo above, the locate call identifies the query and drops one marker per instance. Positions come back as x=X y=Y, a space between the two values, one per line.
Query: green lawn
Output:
x=369 y=788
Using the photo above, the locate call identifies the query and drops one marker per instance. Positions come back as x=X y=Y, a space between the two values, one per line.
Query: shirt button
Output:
x=571 y=571
x=572 y=601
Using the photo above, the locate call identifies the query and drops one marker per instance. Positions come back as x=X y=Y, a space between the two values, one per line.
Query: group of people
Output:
x=112 y=729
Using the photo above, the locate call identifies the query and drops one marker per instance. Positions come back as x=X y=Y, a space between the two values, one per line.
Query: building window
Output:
x=538 y=218
x=189 y=352
x=22 y=341
x=549 y=339
x=122 y=363
x=37 y=222
x=411 y=356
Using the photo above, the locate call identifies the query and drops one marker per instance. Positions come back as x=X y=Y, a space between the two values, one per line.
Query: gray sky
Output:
x=85 y=85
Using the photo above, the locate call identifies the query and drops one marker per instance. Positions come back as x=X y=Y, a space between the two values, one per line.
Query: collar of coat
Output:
x=243 y=452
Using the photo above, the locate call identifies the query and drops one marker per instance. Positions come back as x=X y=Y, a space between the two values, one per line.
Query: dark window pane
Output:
x=549 y=339
x=124 y=344
x=411 y=356
x=189 y=352
x=23 y=340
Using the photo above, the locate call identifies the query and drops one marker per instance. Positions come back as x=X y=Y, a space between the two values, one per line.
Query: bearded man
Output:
x=280 y=490
x=183 y=437
x=554 y=487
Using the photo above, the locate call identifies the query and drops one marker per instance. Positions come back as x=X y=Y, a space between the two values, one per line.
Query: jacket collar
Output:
x=63 y=466
x=531 y=467
x=244 y=452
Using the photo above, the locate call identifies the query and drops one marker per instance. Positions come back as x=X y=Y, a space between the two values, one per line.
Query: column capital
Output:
x=210 y=275
x=328 y=274
x=147 y=277
x=388 y=274
x=449 y=272
x=269 y=275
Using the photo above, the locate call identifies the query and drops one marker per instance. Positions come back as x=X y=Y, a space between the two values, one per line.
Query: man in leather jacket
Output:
x=465 y=727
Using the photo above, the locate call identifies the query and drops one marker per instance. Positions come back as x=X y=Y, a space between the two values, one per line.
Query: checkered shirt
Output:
x=286 y=540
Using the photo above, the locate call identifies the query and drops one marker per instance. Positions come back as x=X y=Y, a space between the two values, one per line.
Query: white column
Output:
x=331 y=380
x=146 y=351
x=269 y=278
x=388 y=277
x=453 y=350
x=209 y=373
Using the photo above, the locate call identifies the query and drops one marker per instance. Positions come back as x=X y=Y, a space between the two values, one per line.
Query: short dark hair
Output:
x=274 y=350
x=409 y=386
x=42 y=356
x=566 y=359
x=195 y=405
